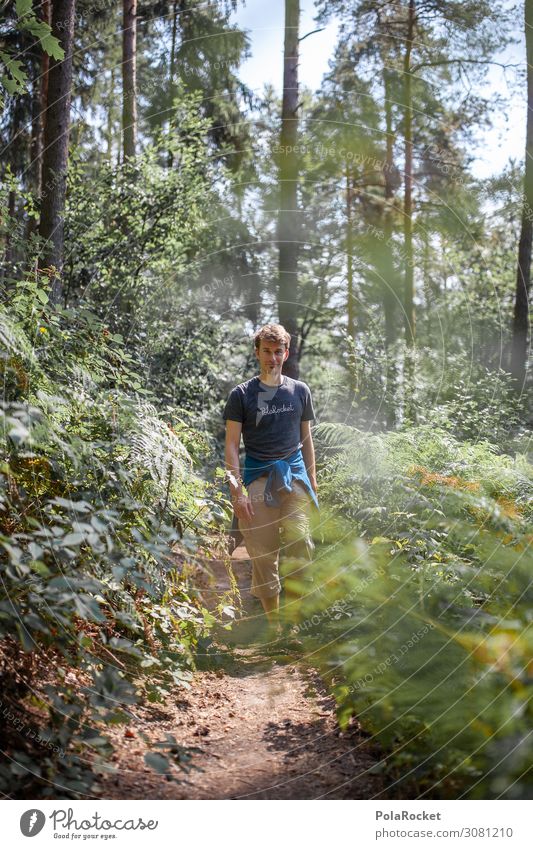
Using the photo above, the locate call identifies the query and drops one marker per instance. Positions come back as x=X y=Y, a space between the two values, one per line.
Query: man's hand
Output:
x=308 y=451
x=242 y=506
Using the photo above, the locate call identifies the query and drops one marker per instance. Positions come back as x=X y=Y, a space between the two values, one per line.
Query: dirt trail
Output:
x=265 y=726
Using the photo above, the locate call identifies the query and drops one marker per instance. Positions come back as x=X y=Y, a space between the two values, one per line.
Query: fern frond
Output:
x=333 y=437
x=155 y=448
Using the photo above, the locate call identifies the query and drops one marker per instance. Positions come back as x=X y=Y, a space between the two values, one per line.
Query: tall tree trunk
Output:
x=390 y=289
x=110 y=116
x=350 y=295
x=389 y=283
x=172 y=71
x=36 y=139
x=45 y=67
x=39 y=103
x=129 y=78
x=408 y=299
x=38 y=117
x=408 y=182
x=519 y=346
x=11 y=222
x=288 y=216
x=56 y=136
x=429 y=289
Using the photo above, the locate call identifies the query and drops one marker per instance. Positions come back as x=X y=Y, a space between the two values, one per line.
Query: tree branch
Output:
x=415 y=68
x=311 y=33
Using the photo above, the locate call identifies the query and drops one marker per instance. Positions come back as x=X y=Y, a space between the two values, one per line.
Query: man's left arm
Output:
x=308 y=451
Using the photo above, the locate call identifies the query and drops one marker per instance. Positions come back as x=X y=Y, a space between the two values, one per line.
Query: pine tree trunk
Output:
x=408 y=298
x=8 y=249
x=110 y=115
x=56 y=136
x=38 y=115
x=36 y=140
x=288 y=217
x=172 y=73
x=429 y=289
x=350 y=295
x=519 y=344
x=129 y=78
x=408 y=196
x=38 y=109
x=390 y=290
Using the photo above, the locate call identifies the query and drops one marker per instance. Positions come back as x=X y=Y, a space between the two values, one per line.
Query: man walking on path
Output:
x=273 y=413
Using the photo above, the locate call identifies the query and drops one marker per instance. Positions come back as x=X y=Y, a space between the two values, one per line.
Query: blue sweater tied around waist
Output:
x=281 y=473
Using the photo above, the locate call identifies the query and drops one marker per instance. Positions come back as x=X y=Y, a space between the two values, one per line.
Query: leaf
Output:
x=12 y=86
x=51 y=45
x=14 y=67
x=40 y=567
x=96 y=741
x=73 y=539
x=35 y=550
x=157 y=762
x=23 y=7
x=88 y=608
x=79 y=506
x=25 y=639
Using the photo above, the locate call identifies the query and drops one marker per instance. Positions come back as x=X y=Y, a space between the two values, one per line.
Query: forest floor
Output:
x=261 y=726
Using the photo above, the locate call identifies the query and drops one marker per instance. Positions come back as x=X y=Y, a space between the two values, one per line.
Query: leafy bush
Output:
x=485 y=407
x=100 y=504
x=421 y=617
x=132 y=237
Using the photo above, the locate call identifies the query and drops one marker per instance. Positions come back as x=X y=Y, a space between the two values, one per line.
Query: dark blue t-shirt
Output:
x=270 y=416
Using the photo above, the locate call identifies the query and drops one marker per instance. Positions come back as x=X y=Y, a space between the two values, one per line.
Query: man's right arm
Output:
x=242 y=504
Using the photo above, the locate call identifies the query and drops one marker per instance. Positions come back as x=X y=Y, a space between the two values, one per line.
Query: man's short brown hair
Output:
x=272 y=333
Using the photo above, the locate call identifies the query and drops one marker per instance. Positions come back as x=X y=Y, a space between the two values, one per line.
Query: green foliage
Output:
x=484 y=407
x=185 y=363
x=131 y=238
x=22 y=21
x=111 y=410
x=100 y=503
x=421 y=617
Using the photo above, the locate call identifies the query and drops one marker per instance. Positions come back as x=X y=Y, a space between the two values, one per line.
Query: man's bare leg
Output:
x=292 y=605
x=271 y=608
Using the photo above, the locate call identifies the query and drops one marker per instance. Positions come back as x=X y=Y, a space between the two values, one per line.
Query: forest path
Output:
x=265 y=726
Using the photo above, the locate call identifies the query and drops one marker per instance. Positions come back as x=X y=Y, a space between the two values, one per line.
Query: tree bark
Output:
x=110 y=114
x=409 y=410
x=408 y=182
x=39 y=102
x=36 y=139
x=12 y=219
x=519 y=343
x=390 y=289
x=129 y=78
x=56 y=136
x=172 y=72
x=38 y=116
x=288 y=216
x=350 y=295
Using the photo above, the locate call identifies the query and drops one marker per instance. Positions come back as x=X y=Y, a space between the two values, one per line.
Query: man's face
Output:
x=271 y=355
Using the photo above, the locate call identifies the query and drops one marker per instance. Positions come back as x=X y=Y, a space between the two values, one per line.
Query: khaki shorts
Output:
x=278 y=531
